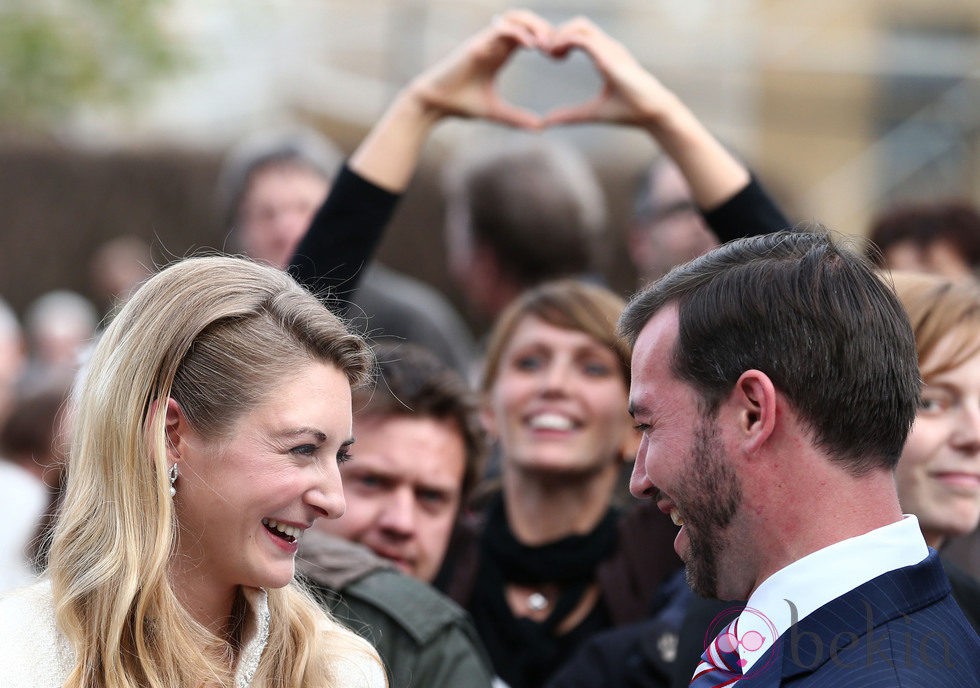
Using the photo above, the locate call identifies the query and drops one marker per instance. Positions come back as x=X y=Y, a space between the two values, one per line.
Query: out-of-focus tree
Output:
x=58 y=54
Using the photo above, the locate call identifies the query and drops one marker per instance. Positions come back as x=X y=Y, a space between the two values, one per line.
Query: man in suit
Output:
x=775 y=380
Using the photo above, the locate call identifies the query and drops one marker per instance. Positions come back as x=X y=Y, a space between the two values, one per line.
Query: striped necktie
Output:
x=719 y=665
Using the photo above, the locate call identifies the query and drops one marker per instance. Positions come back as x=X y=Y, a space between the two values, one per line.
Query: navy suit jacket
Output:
x=900 y=629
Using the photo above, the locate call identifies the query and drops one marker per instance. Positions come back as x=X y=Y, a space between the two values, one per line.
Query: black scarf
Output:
x=526 y=652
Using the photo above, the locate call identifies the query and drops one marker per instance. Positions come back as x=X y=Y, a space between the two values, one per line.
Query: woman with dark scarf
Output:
x=555 y=396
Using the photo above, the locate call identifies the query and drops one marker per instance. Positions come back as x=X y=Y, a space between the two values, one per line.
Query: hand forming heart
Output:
x=464 y=83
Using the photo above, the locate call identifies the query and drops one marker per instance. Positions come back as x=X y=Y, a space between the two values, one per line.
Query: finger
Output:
x=505 y=113
x=574 y=114
x=580 y=33
x=515 y=33
x=577 y=29
x=532 y=30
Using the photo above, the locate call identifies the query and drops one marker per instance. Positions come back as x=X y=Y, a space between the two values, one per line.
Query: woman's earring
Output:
x=174 y=472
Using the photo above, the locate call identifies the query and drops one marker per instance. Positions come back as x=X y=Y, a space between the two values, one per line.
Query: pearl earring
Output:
x=173 y=473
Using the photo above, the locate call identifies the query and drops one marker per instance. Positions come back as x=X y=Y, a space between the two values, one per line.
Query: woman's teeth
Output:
x=290 y=533
x=551 y=421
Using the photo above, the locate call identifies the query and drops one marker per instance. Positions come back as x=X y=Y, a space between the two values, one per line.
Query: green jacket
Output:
x=425 y=639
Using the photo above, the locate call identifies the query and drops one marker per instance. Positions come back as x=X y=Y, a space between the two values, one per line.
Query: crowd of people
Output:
x=299 y=467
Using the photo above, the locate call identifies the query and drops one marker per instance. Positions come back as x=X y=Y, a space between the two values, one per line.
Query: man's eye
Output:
x=432 y=496
x=641 y=427
x=369 y=481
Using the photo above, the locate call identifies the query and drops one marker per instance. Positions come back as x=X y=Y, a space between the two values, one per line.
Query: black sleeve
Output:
x=343 y=236
x=750 y=212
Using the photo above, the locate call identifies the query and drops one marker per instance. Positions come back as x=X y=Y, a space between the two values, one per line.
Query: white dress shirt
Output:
x=807 y=584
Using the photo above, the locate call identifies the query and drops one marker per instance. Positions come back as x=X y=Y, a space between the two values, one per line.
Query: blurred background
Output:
x=115 y=115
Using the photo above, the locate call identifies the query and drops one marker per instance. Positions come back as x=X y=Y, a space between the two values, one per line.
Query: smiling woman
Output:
x=554 y=400
x=208 y=426
x=939 y=473
x=938 y=476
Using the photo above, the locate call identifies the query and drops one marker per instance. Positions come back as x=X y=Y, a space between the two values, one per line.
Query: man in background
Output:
x=271 y=186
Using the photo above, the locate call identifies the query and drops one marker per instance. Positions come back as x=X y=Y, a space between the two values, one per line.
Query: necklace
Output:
x=537 y=602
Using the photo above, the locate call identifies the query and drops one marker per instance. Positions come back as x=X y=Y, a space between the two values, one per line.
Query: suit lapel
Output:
x=825 y=633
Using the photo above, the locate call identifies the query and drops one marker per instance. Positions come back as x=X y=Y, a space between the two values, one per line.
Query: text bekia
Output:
x=850 y=649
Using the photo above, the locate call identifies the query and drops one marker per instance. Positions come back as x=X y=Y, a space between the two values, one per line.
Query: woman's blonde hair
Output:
x=215 y=334
x=568 y=304
x=939 y=307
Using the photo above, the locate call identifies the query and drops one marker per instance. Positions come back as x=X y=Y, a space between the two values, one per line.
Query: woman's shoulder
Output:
x=32 y=653
x=354 y=660
x=26 y=606
x=357 y=670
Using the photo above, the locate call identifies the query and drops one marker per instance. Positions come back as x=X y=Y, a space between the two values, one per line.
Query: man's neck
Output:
x=832 y=508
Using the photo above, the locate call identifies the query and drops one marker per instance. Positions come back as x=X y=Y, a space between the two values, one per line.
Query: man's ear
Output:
x=754 y=400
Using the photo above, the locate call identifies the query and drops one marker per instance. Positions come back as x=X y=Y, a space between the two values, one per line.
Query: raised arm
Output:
x=633 y=96
x=346 y=230
x=460 y=85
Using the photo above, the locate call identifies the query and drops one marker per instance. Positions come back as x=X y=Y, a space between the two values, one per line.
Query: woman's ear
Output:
x=488 y=419
x=175 y=428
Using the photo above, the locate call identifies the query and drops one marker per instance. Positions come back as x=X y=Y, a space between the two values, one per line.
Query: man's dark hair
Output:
x=294 y=146
x=924 y=223
x=814 y=317
x=412 y=382
x=536 y=203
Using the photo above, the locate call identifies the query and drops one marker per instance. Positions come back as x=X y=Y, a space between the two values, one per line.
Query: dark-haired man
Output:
x=775 y=381
x=419 y=452
x=419 y=448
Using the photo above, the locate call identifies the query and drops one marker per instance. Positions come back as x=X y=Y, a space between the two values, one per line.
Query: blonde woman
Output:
x=938 y=476
x=208 y=426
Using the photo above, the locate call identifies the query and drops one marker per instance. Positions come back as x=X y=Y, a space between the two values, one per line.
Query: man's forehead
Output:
x=655 y=343
x=650 y=367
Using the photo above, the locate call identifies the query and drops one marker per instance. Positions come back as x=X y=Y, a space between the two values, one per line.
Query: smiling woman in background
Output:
x=938 y=475
x=554 y=389
x=208 y=427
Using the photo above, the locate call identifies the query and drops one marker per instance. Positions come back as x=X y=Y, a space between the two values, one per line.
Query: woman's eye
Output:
x=344 y=455
x=304 y=450
x=933 y=403
x=595 y=369
x=528 y=362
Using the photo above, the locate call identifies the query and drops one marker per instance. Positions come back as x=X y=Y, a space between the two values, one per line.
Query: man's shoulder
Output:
x=423 y=637
x=900 y=629
x=363 y=588
x=966 y=591
x=421 y=611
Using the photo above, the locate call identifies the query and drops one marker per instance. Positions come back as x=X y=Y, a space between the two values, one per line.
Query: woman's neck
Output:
x=211 y=605
x=542 y=508
x=933 y=538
